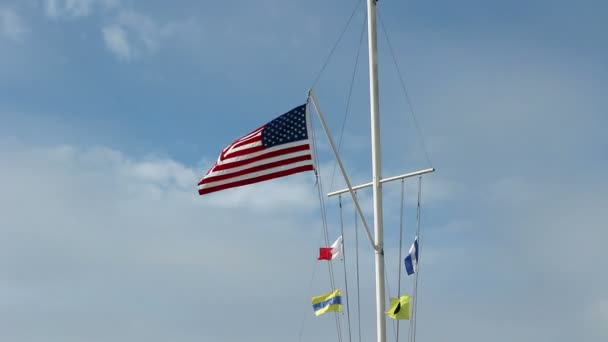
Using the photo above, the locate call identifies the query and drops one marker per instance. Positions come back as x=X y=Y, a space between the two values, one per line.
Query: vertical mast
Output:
x=376 y=170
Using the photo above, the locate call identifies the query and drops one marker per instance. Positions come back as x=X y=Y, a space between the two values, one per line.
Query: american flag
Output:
x=279 y=148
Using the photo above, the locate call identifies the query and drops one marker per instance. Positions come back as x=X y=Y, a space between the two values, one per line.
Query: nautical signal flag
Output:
x=400 y=308
x=334 y=251
x=279 y=148
x=328 y=302
x=411 y=261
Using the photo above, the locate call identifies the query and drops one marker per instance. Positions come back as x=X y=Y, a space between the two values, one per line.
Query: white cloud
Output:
x=75 y=8
x=93 y=230
x=601 y=316
x=117 y=42
x=127 y=34
x=12 y=26
x=132 y=34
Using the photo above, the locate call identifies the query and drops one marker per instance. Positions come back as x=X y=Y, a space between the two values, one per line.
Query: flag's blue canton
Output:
x=287 y=128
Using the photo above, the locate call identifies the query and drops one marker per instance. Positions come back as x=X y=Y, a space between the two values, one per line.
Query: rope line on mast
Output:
x=333 y=49
x=323 y=208
x=387 y=294
x=348 y=100
x=357 y=271
x=344 y=265
x=400 y=248
x=412 y=337
x=419 y=234
x=404 y=89
x=312 y=278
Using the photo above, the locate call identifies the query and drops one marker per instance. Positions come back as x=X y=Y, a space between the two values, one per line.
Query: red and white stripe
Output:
x=246 y=161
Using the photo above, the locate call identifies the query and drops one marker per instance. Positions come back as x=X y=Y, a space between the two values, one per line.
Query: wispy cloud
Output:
x=12 y=26
x=117 y=42
x=133 y=34
x=108 y=227
x=599 y=316
x=75 y=8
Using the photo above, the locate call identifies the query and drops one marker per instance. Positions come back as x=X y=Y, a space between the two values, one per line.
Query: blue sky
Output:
x=111 y=111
